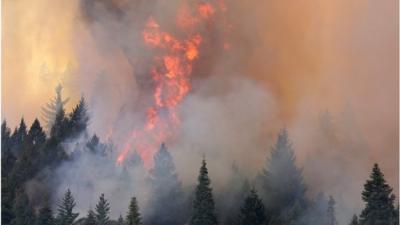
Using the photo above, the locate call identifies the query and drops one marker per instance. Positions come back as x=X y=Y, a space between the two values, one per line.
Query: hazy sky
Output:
x=311 y=55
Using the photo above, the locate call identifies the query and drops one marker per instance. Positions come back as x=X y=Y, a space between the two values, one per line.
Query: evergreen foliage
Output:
x=232 y=196
x=133 y=217
x=45 y=216
x=203 y=212
x=66 y=214
x=379 y=201
x=282 y=184
x=168 y=198
x=59 y=129
x=79 y=118
x=90 y=218
x=120 y=220
x=23 y=211
x=52 y=108
x=36 y=135
x=330 y=212
x=102 y=211
x=253 y=211
x=354 y=220
x=5 y=135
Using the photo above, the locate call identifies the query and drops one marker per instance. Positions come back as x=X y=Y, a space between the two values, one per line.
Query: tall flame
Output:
x=171 y=73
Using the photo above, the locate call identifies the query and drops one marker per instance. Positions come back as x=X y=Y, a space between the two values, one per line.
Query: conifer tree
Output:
x=90 y=218
x=7 y=201
x=167 y=194
x=8 y=161
x=36 y=135
x=354 y=220
x=120 y=220
x=19 y=136
x=330 y=212
x=133 y=217
x=23 y=211
x=45 y=216
x=59 y=129
x=252 y=212
x=65 y=209
x=232 y=196
x=282 y=185
x=379 y=200
x=203 y=212
x=52 y=108
x=102 y=211
x=5 y=135
x=93 y=143
x=79 y=118
x=316 y=213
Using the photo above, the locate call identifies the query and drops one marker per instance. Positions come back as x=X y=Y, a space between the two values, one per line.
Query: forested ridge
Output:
x=277 y=196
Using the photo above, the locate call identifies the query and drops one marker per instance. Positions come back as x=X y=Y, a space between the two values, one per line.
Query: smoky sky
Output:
x=288 y=62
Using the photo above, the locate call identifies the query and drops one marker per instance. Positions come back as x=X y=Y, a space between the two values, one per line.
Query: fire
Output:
x=171 y=74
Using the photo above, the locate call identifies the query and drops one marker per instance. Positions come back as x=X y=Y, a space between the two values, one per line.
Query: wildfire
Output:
x=170 y=73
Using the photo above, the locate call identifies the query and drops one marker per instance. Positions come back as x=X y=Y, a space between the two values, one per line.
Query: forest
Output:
x=277 y=196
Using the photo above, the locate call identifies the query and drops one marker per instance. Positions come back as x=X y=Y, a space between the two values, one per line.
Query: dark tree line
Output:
x=27 y=151
x=276 y=197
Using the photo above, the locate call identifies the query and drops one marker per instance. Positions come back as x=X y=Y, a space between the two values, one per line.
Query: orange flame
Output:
x=170 y=73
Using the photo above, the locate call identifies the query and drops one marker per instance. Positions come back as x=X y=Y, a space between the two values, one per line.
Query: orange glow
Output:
x=206 y=10
x=170 y=73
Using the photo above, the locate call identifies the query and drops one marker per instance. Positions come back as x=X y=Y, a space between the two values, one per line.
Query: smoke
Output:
x=287 y=62
x=92 y=171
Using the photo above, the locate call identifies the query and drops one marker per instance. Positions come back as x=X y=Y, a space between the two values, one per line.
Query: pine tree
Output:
x=59 y=130
x=232 y=196
x=330 y=212
x=5 y=135
x=167 y=198
x=102 y=211
x=45 y=216
x=65 y=215
x=377 y=194
x=18 y=138
x=135 y=161
x=52 y=108
x=25 y=167
x=36 y=135
x=7 y=200
x=8 y=161
x=316 y=213
x=90 y=218
x=120 y=220
x=203 y=212
x=354 y=220
x=24 y=214
x=133 y=217
x=79 y=118
x=252 y=212
x=21 y=132
x=282 y=185
x=396 y=215
x=93 y=143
